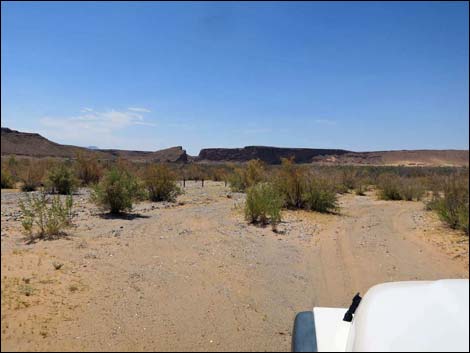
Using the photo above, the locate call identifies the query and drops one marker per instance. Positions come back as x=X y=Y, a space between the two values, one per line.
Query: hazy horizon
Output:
x=148 y=76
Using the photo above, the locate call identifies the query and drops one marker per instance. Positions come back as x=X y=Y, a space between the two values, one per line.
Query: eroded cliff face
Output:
x=270 y=155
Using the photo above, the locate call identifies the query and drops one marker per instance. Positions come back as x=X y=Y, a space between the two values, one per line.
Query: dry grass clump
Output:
x=31 y=177
x=242 y=178
x=7 y=181
x=394 y=187
x=452 y=203
x=160 y=183
x=88 y=169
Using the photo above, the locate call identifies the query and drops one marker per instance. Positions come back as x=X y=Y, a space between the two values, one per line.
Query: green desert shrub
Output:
x=117 y=191
x=263 y=204
x=45 y=217
x=161 y=184
x=452 y=203
x=290 y=182
x=7 y=179
x=88 y=169
x=320 y=196
x=61 y=180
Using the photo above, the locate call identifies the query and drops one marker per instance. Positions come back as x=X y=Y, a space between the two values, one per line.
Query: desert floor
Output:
x=194 y=275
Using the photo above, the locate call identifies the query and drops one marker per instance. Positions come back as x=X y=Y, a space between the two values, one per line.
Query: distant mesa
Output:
x=273 y=155
x=270 y=155
x=34 y=145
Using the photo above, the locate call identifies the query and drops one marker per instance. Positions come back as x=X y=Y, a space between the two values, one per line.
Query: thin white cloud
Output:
x=86 y=110
x=140 y=110
x=92 y=126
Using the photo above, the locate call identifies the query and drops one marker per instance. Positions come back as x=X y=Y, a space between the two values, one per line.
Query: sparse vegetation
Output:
x=45 y=217
x=242 y=178
x=360 y=189
x=61 y=179
x=255 y=172
x=349 y=178
x=290 y=181
x=389 y=187
x=309 y=191
x=452 y=204
x=31 y=178
x=394 y=187
x=412 y=189
x=88 y=169
x=161 y=183
x=117 y=191
x=236 y=180
x=293 y=182
x=263 y=204
x=7 y=179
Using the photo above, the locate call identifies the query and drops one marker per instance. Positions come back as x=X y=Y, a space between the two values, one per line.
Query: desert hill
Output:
x=34 y=145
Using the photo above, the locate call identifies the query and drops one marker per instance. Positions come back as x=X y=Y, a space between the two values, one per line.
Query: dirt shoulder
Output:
x=194 y=276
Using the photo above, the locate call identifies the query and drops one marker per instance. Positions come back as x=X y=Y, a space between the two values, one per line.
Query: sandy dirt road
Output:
x=194 y=276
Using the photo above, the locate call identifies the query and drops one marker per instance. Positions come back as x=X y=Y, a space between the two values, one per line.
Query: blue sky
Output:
x=359 y=76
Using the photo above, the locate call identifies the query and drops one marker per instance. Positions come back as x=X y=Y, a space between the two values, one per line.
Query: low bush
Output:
x=161 y=183
x=263 y=204
x=61 y=179
x=117 y=191
x=320 y=196
x=7 y=179
x=44 y=217
x=290 y=181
